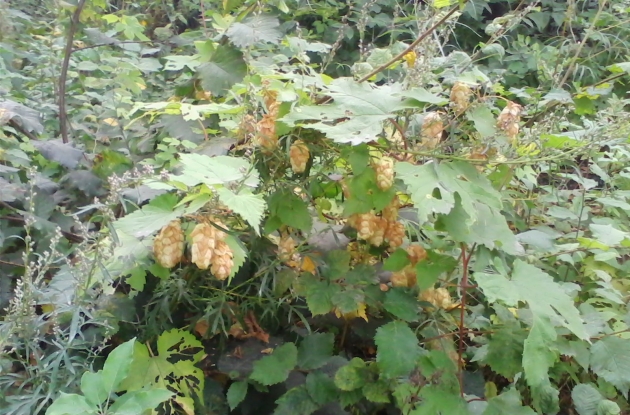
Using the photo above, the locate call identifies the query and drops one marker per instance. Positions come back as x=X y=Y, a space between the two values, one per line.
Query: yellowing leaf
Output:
x=111 y=121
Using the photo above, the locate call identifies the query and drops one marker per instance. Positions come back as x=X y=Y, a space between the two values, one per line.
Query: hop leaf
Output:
x=222 y=260
x=299 y=156
x=168 y=246
x=384 y=168
x=460 y=95
x=203 y=243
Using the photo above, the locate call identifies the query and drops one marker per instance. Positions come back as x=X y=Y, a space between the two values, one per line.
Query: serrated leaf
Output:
x=151 y=218
x=610 y=359
x=172 y=366
x=401 y=304
x=250 y=206
x=377 y=392
x=608 y=407
x=539 y=356
x=321 y=388
x=505 y=350
x=139 y=401
x=429 y=270
x=319 y=296
x=275 y=368
x=397 y=349
x=507 y=403
x=199 y=168
x=364 y=107
x=296 y=401
x=254 y=29
x=351 y=376
x=287 y=208
x=27 y=117
x=63 y=153
x=315 y=350
x=586 y=399
x=424 y=96
x=226 y=68
x=236 y=393
x=396 y=261
x=433 y=187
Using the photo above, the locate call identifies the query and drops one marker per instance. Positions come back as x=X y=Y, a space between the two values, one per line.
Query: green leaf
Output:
x=545 y=297
x=93 y=389
x=401 y=304
x=236 y=393
x=396 y=261
x=296 y=401
x=250 y=206
x=173 y=366
x=254 y=29
x=432 y=268
x=539 y=356
x=139 y=401
x=348 y=300
x=610 y=359
x=507 y=403
x=364 y=107
x=358 y=157
x=226 y=68
x=397 y=349
x=483 y=119
x=377 y=392
x=321 y=388
x=433 y=187
x=315 y=350
x=319 y=295
x=220 y=170
x=351 y=376
x=288 y=209
x=439 y=400
x=586 y=399
x=275 y=368
x=424 y=96
x=117 y=366
x=71 y=404
x=608 y=407
x=151 y=218
x=366 y=195
x=337 y=264
x=505 y=350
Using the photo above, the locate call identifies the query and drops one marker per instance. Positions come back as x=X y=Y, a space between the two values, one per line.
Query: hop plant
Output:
x=384 y=167
x=509 y=118
x=203 y=243
x=222 y=260
x=364 y=223
x=266 y=136
x=168 y=246
x=299 y=156
x=395 y=234
x=439 y=297
x=432 y=128
x=286 y=248
x=460 y=96
x=390 y=212
x=416 y=253
x=378 y=236
x=405 y=277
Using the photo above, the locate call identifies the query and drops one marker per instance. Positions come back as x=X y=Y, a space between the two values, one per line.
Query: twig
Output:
x=63 y=77
x=113 y=43
x=462 y=315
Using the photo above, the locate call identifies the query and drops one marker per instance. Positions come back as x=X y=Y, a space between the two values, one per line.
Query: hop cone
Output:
x=460 y=95
x=432 y=128
x=365 y=224
x=390 y=212
x=222 y=260
x=203 y=244
x=299 y=156
x=378 y=236
x=440 y=297
x=416 y=253
x=395 y=234
x=286 y=248
x=509 y=118
x=168 y=246
x=266 y=137
x=384 y=168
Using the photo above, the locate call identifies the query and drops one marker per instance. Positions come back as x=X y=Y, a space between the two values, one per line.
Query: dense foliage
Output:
x=332 y=207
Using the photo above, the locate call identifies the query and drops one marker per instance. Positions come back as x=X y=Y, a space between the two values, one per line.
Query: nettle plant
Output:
x=419 y=212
